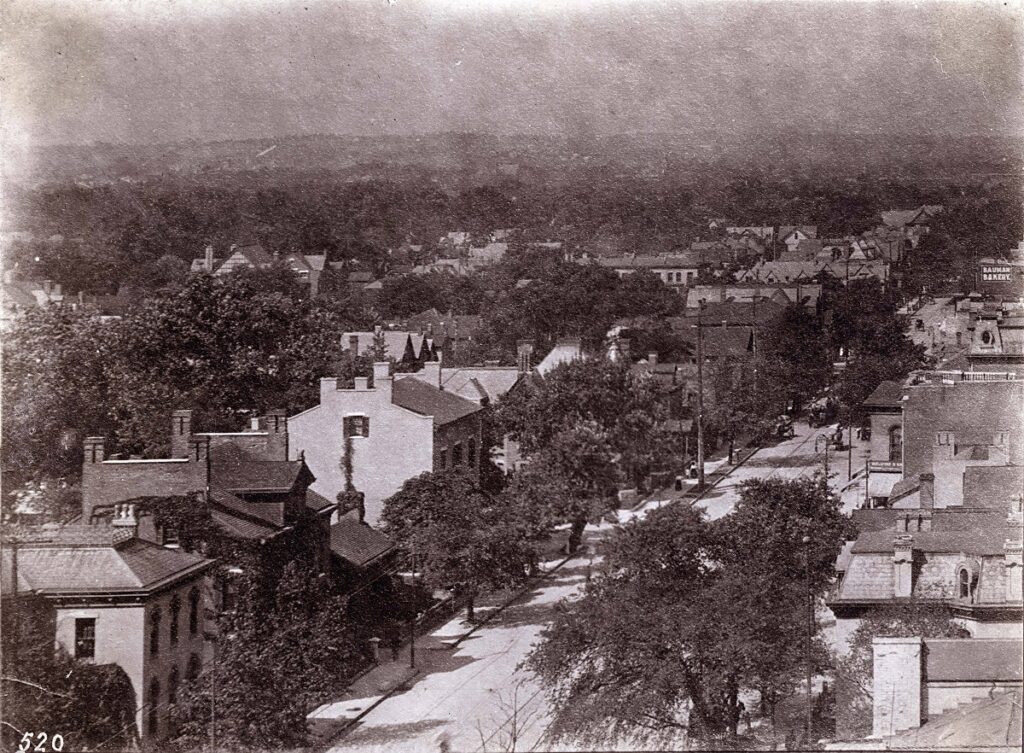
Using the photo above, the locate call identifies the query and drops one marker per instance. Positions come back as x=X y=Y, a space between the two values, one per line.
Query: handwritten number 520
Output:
x=40 y=739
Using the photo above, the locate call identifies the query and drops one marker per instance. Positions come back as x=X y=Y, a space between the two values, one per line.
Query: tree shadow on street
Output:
x=360 y=737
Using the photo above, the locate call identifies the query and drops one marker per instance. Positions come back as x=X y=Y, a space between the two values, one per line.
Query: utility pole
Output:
x=412 y=616
x=700 y=397
x=849 y=453
x=809 y=634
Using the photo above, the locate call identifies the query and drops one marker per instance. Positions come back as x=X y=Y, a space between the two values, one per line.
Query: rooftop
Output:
x=420 y=397
x=129 y=567
x=357 y=543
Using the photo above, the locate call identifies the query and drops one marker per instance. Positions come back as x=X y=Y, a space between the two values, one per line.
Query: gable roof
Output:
x=473 y=382
x=564 y=351
x=419 y=397
x=357 y=543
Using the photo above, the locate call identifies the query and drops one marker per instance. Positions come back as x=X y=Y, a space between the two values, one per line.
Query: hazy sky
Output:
x=165 y=70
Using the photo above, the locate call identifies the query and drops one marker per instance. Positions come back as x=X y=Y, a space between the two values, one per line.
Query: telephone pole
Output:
x=700 y=397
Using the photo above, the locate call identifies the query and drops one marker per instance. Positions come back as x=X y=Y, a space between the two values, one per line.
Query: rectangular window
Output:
x=85 y=638
x=471 y=450
x=170 y=537
x=457 y=454
x=357 y=426
x=442 y=461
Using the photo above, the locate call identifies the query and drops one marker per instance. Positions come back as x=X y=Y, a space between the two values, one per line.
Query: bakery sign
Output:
x=995 y=273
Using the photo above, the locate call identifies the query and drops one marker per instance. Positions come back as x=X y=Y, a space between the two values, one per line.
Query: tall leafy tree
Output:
x=687 y=615
x=457 y=536
x=795 y=354
x=274 y=663
x=55 y=389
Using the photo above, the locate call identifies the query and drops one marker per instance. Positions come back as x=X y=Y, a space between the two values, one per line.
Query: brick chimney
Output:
x=652 y=358
x=199 y=449
x=625 y=348
x=95 y=450
x=903 y=566
x=277 y=435
x=524 y=352
x=125 y=520
x=927 y=492
x=181 y=431
x=328 y=386
x=208 y=259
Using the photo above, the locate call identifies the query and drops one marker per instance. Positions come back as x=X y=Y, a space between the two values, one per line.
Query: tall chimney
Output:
x=277 y=435
x=903 y=566
x=897 y=698
x=208 y=259
x=524 y=352
x=431 y=373
x=652 y=358
x=927 y=490
x=181 y=432
x=382 y=381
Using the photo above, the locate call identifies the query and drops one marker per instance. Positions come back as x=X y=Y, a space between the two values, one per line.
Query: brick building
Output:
x=402 y=426
x=254 y=491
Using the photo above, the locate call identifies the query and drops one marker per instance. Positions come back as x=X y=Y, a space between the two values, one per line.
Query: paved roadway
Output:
x=476 y=697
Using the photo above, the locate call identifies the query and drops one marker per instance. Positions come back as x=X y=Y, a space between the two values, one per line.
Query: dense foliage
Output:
x=223 y=347
x=457 y=536
x=92 y=706
x=686 y=615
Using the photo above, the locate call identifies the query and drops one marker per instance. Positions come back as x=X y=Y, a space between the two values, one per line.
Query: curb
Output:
x=349 y=723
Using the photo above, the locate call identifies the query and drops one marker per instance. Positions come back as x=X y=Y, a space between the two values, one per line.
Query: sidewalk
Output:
x=393 y=674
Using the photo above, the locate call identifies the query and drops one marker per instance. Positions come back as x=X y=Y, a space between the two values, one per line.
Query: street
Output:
x=476 y=697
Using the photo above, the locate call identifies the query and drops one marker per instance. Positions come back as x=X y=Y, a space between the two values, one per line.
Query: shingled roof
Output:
x=357 y=543
x=128 y=567
x=419 y=397
x=257 y=476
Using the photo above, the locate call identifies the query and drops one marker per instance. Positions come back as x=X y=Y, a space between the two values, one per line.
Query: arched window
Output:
x=172 y=687
x=193 y=611
x=154 y=633
x=896 y=444
x=153 y=722
x=964 y=584
x=195 y=666
x=175 y=619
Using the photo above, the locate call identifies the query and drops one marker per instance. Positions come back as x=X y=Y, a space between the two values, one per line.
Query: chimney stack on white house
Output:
x=208 y=259
x=903 y=566
x=897 y=698
x=432 y=372
x=382 y=381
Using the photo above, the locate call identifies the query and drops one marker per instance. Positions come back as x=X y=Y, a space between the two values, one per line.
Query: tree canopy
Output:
x=458 y=537
x=686 y=614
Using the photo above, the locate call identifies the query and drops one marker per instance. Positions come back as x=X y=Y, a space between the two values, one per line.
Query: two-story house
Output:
x=371 y=439
x=109 y=597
